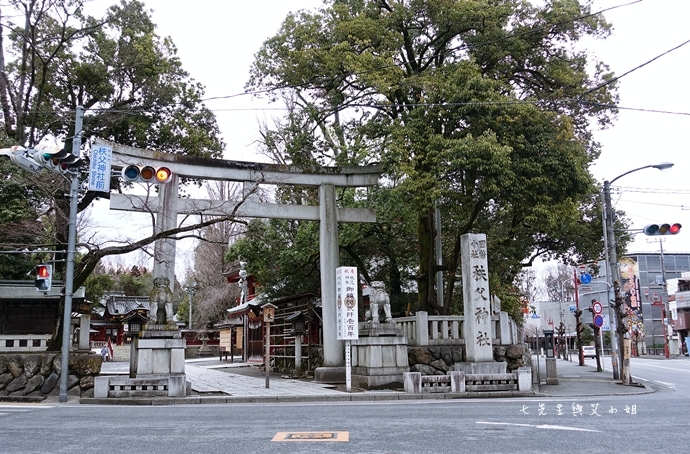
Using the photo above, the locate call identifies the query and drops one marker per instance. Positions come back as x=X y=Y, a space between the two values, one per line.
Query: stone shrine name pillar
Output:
x=476 y=299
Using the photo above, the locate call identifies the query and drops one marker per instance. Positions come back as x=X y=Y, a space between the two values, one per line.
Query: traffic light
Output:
x=662 y=229
x=44 y=277
x=56 y=158
x=146 y=174
x=19 y=157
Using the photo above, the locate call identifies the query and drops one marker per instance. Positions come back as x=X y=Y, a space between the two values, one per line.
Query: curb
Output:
x=647 y=390
x=359 y=397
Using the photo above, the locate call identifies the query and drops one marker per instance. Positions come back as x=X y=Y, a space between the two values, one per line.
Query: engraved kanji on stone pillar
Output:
x=476 y=298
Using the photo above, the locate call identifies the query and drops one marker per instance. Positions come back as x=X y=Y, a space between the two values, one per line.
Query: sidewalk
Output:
x=217 y=382
x=583 y=381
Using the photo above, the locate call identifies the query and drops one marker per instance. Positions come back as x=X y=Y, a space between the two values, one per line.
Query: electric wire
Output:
x=578 y=99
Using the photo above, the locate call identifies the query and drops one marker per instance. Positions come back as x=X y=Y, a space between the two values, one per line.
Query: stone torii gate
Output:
x=168 y=205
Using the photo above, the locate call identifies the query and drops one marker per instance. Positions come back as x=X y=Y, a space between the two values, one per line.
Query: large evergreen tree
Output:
x=482 y=106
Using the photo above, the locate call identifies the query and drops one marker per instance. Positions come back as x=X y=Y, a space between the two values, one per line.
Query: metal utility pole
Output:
x=610 y=299
x=667 y=347
x=71 y=245
x=561 y=328
x=439 y=255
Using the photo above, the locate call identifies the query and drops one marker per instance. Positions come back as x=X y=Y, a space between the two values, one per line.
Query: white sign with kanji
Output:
x=347 y=299
x=99 y=170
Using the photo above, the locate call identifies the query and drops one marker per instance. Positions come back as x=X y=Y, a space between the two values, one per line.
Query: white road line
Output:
x=540 y=426
x=24 y=407
x=659 y=367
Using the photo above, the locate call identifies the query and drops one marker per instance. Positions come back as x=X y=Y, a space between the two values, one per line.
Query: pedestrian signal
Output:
x=44 y=277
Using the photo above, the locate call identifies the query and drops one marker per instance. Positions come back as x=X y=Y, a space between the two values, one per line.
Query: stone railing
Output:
x=23 y=343
x=459 y=382
x=423 y=329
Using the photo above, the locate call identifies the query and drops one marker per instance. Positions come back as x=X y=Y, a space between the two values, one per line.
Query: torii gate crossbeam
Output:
x=326 y=178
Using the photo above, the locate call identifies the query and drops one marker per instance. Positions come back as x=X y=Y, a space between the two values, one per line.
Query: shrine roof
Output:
x=23 y=290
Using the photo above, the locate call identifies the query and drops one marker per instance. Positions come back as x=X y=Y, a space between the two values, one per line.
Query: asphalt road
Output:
x=646 y=423
x=671 y=374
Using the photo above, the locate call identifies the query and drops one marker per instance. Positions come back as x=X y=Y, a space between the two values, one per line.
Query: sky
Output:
x=217 y=40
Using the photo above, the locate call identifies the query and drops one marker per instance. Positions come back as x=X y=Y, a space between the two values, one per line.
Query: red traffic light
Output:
x=662 y=229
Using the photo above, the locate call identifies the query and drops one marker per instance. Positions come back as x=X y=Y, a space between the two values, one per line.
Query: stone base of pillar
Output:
x=169 y=385
x=330 y=374
x=156 y=367
x=379 y=361
x=487 y=367
x=551 y=372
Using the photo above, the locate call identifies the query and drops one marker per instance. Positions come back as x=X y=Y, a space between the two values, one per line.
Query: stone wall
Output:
x=516 y=355
x=439 y=360
x=37 y=375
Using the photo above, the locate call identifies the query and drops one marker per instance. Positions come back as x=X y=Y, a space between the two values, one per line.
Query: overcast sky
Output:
x=217 y=40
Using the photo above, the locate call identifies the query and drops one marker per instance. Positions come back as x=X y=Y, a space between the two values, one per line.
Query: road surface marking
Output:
x=539 y=426
x=312 y=436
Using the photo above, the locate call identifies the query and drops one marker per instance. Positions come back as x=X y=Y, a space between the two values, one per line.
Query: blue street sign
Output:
x=572 y=308
x=598 y=321
x=585 y=278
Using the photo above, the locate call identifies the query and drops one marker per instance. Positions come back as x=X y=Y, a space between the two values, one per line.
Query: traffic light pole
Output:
x=71 y=245
x=619 y=304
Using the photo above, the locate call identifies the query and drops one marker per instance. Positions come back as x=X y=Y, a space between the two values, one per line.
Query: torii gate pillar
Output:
x=333 y=355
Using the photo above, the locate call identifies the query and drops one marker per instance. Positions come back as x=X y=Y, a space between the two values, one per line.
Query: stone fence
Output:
x=460 y=382
x=23 y=343
x=423 y=329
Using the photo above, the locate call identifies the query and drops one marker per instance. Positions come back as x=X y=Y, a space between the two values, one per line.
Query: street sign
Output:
x=572 y=308
x=99 y=170
x=606 y=326
x=585 y=278
x=598 y=321
x=596 y=307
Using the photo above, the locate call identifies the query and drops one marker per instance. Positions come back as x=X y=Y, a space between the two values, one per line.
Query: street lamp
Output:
x=610 y=238
x=190 y=291
x=562 y=327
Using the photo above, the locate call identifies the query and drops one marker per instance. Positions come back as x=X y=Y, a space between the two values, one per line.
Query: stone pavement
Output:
x=215 y=381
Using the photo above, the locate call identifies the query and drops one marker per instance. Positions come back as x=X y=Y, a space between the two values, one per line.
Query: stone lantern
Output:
x=299 y=326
